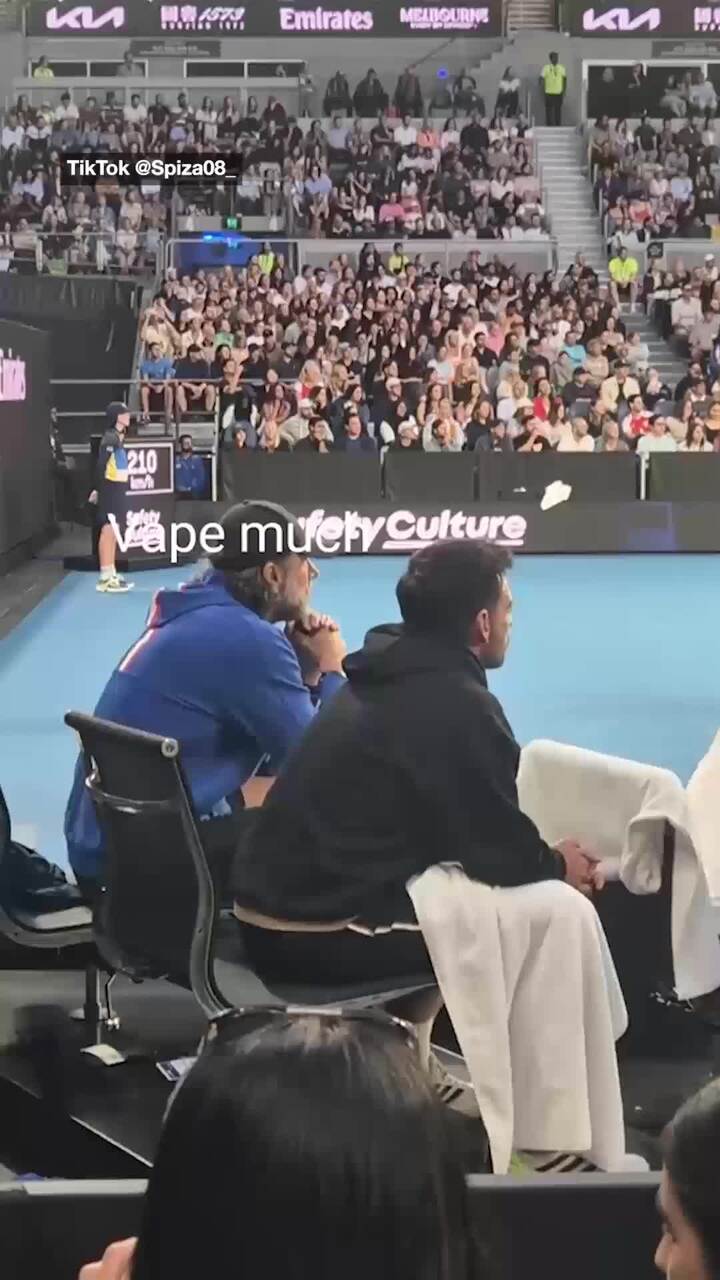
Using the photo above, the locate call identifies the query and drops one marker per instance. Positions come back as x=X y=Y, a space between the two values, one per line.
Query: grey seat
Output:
x=157 y=915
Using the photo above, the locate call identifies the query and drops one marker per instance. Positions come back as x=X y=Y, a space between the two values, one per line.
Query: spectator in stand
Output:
x=42 y=70
x=353 y=439
x=686 y=313
x=156 y=392
x=369 y=98
x=508 y=96
x=532 y=438
x=623 y=271
x=193 y=382
x=701 y=94
x=620 y=388
x=408 y=98
x=191 y=472
x=637 y=420
x=658 y=439
x=441 y=101
x=337 y=95
x=318 y=439
x=696 y=440
x=465 y=95
x=610 y=440
x=575 y=438
x=269 y=439
x=128 y=66
x=579 y=388
x=553 y=80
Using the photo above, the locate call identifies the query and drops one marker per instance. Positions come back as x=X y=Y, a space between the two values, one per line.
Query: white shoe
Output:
x=551 y=1162
x=457 y=1094
x=115 y=586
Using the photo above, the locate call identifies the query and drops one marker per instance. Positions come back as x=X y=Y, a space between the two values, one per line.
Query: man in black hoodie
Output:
x=411 y=764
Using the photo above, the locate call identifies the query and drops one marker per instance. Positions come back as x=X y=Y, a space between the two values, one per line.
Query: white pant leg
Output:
x=565 y=1013
x=531 y=990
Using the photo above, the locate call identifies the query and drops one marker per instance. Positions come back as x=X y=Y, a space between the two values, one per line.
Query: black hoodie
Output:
x=410 y=764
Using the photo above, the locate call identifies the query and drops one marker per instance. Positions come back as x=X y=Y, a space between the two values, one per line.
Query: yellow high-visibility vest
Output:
x=553 y=78
x=623 y=270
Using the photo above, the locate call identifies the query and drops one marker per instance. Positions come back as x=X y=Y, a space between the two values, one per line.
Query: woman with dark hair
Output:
x=508 y=96
x=331 y=1118
x=689 y=1197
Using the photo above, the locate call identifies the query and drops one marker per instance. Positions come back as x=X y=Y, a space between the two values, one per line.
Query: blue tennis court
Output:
x=602 y=656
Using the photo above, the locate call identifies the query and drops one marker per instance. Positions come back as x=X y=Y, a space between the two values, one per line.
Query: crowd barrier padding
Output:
x=307 y=477
x=411 y=475
x=684 y=477
x=523 y=477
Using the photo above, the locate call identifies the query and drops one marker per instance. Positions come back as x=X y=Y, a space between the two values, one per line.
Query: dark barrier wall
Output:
x=93 y=326
x=524 y=477
x=310 y=477
x=410 y=475
x=25 y=460
x=684 y=477
x=449 y=477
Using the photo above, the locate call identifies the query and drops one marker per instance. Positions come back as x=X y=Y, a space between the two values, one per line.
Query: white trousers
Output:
x=532 y=992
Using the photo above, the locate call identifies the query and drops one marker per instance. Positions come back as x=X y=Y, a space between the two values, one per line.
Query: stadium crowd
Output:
x=393 y=353
x=399 y=173
x=630 y=90
x=655 y=182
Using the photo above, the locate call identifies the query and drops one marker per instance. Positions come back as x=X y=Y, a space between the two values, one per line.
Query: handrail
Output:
x=308 y=248
x=104 y=243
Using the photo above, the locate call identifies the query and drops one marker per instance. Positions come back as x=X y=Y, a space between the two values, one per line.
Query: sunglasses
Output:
x=242 y=1022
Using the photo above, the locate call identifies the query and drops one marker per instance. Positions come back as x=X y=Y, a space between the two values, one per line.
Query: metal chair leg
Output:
x=111 y=1019
x=96 y=1015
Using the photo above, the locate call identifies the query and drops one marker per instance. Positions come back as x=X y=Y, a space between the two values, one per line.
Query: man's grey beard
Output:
x=249 y=587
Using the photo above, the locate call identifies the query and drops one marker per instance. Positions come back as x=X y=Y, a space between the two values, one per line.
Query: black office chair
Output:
x=157 y=915
x=39 y=929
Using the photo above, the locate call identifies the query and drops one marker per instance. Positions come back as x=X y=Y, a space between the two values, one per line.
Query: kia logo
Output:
x=82 y=18
x=621 y=20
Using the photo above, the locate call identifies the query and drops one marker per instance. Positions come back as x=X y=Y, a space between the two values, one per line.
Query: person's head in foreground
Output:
x=306 y=1147
x=457 y=591
x=265 y=561
x=689 y=1197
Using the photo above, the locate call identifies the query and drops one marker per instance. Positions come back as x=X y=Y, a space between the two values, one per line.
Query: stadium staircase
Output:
x=577 y=228
x=531 y=15
x=662 y=356
x=568 y=197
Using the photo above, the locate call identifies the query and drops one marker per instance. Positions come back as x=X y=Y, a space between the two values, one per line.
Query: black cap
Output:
x=256 y=532
x=113 y=412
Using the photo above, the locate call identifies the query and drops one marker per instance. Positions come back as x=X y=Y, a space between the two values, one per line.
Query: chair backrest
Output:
x=156 y=913
x=593 y=1226
x=5 y=832
x=581 y=407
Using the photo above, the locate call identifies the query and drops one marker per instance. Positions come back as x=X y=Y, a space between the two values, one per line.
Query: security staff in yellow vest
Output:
x=553 y=79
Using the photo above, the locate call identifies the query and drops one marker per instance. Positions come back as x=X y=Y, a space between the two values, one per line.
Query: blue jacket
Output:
x=210 y=673
x=191 y=474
